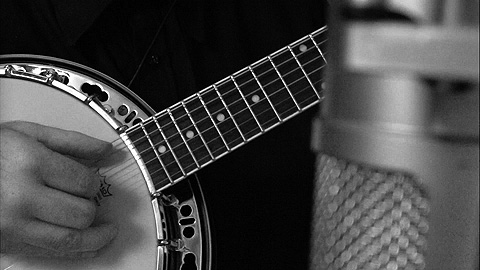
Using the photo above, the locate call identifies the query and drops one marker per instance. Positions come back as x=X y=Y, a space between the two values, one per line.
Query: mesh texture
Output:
x=366 y=218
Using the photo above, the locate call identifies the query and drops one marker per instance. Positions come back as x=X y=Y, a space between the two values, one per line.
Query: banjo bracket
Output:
x=173 y=244
x=89 y=102
x=168 y=200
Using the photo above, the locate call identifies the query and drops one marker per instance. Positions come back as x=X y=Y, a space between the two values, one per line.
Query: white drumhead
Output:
x=129 y=206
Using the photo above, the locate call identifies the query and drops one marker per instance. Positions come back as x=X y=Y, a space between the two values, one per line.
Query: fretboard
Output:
x=200 y=129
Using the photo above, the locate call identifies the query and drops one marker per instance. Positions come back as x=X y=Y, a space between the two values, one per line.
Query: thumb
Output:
x=65 y=142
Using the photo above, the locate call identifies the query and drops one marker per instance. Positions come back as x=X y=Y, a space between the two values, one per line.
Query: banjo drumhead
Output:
x=158 y=230
x=130 y=206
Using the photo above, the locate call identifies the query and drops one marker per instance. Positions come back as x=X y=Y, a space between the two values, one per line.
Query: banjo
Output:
x=163 y=222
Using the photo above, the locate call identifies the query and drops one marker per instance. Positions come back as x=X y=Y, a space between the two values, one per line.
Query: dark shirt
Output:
x=259 y=197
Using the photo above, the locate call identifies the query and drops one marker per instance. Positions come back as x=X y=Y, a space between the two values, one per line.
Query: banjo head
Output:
x=167 y=230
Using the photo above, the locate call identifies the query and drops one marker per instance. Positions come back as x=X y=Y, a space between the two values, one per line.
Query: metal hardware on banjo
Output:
x=163 y=222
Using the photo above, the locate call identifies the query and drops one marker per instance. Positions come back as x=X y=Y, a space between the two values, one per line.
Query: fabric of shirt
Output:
x=258 y=197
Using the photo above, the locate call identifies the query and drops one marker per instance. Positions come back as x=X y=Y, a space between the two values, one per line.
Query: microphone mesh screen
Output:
x=366 y=218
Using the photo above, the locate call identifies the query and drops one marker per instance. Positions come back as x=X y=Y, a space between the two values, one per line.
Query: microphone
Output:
x=397 y=140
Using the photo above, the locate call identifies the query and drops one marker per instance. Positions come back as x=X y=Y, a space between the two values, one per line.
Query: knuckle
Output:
x=17 y=149
x=84 y=214
x=31 y=162
x=70 y=241
x=86 y=182
x=83 y=182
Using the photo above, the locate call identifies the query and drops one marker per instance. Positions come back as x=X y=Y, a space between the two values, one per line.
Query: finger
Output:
x=62 y=209
x=66 y=142
x=60 y=239
x=63 y=173
x=33 y=251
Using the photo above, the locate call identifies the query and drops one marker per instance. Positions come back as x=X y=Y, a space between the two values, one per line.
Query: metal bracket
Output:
x=167 y=200
x=173 y=244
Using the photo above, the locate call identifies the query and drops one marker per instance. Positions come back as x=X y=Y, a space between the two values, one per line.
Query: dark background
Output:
x=259 y=197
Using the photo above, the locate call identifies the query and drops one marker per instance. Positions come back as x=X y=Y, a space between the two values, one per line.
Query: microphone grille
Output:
x=366 y=218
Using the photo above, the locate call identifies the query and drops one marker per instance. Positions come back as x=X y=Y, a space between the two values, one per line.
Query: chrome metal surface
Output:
x=68 y=78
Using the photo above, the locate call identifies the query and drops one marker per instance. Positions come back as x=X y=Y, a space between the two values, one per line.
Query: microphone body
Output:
x=397 y=181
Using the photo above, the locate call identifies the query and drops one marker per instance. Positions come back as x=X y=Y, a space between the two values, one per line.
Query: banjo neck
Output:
x=200 y=129
x=167 y=147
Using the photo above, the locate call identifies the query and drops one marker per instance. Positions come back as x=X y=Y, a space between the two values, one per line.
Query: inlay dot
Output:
x=255 y=98
x=220 y=117
x=189 y=134
x=303 y=48
x=162 y=149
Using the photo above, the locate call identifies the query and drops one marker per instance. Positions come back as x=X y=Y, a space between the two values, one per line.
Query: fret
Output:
x=167 y=155
x=191 y=136
x=204 y=142
x=259 y=101
x=236 y=104
x=228 y=124
x=264 y=93
x=214 y=106
x=312 y=63
x=283 y=81
x=308 y=52
x=295 y=78
x=154 y=164
x=319 y=39
x=268 y=78
x=206 y=124
x=181 y=135
x=175 y=142
x=172 y=168
x=246 y=103
x=155 y=167
x=303 y=49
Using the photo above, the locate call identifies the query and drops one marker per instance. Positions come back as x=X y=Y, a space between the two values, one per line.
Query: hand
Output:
x=45 y=186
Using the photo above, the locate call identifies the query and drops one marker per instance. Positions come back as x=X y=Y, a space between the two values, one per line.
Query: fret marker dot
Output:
x=220 y=117
x=189 y=134
x=324 y=86
x=302 y=48
x=162 y=149
x=255 y=98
